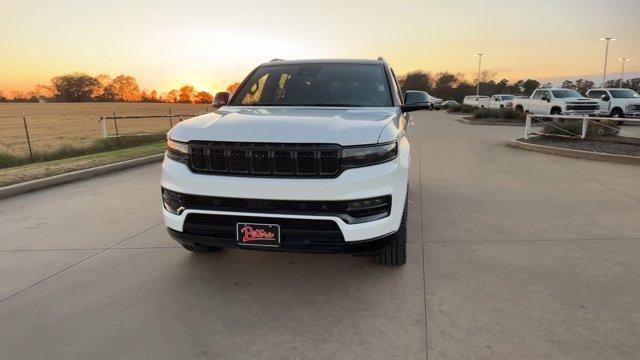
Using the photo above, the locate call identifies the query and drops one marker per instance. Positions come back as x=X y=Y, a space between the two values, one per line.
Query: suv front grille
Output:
x=292 y=231
x=265 y=159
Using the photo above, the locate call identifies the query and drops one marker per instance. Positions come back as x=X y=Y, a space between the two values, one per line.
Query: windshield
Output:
x=316 y=85
x=624 y=94
x=566 y=93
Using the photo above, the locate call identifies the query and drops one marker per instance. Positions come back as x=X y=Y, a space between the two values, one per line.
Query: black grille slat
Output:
x=239 y=161
x=282 y=160
x=260 y=163
x=305 y=162
x=217 y=160
x=198 y=158
x=328 y=162
x=265 y=159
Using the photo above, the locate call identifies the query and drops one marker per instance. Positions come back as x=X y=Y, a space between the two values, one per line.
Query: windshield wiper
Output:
x=331 y=105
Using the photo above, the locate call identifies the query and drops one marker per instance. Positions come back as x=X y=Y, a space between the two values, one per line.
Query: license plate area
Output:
x=252 y=234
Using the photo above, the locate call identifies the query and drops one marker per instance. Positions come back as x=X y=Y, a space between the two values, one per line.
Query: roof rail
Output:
x=272 y=60
x=380 y=58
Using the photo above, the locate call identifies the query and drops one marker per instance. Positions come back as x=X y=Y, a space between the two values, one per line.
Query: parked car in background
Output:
x=557 y=101
x=450 y=103
x=480 y=101
x=616 y=102
x=436 y=103
x=501 y=101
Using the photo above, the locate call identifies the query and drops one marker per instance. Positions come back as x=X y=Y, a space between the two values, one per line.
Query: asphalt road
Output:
x=512 y=255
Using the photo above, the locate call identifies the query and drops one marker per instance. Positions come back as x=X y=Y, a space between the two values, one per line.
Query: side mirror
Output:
x=221 y=98
x=605 y=97
x=545 y=98
x=415 y=100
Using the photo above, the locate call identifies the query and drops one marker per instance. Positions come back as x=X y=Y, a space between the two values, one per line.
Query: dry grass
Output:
x=50 y=168
x=54 y=124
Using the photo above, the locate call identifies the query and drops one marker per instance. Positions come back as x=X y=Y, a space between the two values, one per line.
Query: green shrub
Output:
x=467 y=109
x=601 y=128
x=500 y=114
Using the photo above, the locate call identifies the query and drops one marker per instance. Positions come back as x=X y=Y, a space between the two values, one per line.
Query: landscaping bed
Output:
x=618 y=145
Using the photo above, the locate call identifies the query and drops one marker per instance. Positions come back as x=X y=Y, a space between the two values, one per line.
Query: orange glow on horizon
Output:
x=210 y=46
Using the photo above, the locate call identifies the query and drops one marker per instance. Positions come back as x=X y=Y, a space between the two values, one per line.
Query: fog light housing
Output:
x=173 y=202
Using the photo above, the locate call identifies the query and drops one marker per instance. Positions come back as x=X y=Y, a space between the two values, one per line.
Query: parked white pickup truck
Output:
x=479 y=101
x=557 y=102
x=501 y=101
x=617 y=102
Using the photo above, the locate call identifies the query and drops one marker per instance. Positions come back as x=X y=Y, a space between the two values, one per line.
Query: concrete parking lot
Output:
x=512 y=255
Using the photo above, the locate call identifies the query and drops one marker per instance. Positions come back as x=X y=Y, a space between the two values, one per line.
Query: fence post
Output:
x=104 y=126
x=585 y=124
x=170 y=120
x=26 y=130
x=115 y=122
x=527 y=126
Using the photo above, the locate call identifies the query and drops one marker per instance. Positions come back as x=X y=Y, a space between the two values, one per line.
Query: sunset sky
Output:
x=210 y=44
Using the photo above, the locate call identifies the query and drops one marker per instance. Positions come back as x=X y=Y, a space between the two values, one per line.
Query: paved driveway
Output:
x=512 y=255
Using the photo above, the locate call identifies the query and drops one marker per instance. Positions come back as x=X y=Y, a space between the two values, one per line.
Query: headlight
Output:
x=177 y=151
x=368 y=155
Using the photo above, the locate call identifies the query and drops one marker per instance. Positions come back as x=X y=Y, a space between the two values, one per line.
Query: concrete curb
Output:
x=17 y=189
x=493 y=123
x=580 y=154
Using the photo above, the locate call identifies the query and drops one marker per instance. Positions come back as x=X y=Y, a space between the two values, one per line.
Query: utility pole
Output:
x=480 y=55
x=624 y=60
x=606 y=56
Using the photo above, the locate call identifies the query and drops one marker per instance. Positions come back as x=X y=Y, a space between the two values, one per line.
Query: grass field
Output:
x=41 y=170
x=54 y=124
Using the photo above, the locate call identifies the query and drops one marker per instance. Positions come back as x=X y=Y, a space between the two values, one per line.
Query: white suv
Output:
x=308 y=155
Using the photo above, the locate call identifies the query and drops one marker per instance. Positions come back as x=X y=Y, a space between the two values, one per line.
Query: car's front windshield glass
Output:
x=624 y=94
x=565 y=93
x=324 y=84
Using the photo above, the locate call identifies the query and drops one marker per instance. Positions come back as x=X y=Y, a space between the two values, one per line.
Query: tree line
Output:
x=80 y=87
x=447 y=86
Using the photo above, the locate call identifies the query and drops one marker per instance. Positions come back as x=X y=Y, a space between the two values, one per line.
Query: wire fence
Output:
x=23 y=135
x=586 y=121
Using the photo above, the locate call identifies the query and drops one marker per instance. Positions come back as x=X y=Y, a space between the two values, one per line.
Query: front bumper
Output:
x=390 y=178
x=357 y=248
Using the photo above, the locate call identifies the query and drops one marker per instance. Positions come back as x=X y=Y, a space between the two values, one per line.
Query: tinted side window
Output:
x=596 y=94
x=537 y=95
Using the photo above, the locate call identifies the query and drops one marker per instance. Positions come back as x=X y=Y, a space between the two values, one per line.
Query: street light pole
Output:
x=606 y=56
x=624 y=60
x=479 y=65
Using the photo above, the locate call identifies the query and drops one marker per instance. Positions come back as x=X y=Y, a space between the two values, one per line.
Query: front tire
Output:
x=396 y=253
x=201 y=248
x=617 y=113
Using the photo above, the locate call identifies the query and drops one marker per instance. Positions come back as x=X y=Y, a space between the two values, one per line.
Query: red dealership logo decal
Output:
x=251 y=234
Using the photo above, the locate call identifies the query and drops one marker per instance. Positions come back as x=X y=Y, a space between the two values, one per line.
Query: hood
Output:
x=343 y=126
